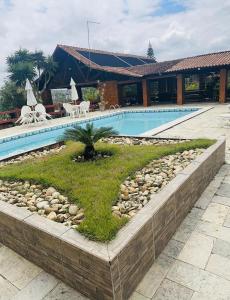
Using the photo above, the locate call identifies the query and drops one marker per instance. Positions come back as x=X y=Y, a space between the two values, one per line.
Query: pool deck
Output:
x=194 y=265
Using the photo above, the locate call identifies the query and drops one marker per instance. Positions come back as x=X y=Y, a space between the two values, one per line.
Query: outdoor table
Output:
x=76 y=108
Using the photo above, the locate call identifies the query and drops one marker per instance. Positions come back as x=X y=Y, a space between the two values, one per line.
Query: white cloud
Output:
x=125 y=25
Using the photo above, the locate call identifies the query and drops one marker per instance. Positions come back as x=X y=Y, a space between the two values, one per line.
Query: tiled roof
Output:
x=202 y=61
x=154 y=68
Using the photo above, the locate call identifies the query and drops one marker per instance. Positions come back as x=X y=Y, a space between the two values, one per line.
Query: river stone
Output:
x=52 y=216
x=50 y=191
x=42 y=204
x=73 y=209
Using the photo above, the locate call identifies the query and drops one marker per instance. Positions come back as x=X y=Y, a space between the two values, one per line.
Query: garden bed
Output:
x=111 y=270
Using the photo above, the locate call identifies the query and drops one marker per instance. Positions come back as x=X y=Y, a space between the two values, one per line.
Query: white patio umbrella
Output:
x=74 y=94
x=31 y=100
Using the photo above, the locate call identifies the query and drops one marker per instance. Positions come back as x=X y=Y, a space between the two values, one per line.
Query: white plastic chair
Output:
x=84 y=107
x=41 y=113
x=70 y=111
x=26 y=115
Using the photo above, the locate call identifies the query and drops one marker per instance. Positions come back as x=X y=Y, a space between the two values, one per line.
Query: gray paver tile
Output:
x=221 y=248
x=227 y=220
x=196 y=213
x=214 y=230
x=7 y=290
x=224 y=190
x=197 y=250
x=138 y=296
x=64 y=292
x=219 y=265
x=173 y=248
x=215 y=213
x=37 y=288
x=221 y=200
x=171 y=290
x=185 y=229
x=23 y=270
x=155 y=275
x=187 y=275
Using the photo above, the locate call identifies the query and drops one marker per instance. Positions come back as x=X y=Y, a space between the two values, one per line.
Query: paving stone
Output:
x=155 y=275
x=224 y=190
x=215 y=287
x=219 y=265
x=137 y=296
x=173 y=248
x=23 y=270
x=187 y=275
x=185 y=229
x=227 y=220
x=221 y=200
x=214 y=230
x=215 y=213
x=38 y=287
x=197 y=250
x=7 y=290
x=171 y=290
x=221 y=248
x=196 y=213
x=64 y=292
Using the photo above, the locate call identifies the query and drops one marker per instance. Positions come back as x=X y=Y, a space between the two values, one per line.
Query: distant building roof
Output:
x=139 y=66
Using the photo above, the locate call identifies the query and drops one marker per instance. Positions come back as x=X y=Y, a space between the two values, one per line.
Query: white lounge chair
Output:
x=26 y=115
x=70 y=111
x=41 y=113
x=84 y=107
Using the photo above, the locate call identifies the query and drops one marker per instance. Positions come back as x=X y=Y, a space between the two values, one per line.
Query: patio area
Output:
x=194 y=265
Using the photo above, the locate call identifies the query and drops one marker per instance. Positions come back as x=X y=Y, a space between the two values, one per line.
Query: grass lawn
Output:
x=94 y=185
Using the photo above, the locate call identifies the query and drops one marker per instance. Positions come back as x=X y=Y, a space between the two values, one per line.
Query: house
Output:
x=133 y=79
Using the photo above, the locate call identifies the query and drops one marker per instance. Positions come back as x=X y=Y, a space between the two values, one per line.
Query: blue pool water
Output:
x=126 y=123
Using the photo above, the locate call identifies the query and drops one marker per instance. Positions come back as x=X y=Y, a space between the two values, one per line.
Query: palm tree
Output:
x=88 y=136
x=20 y=71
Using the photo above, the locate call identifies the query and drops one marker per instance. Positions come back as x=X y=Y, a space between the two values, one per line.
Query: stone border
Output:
x=113 y=270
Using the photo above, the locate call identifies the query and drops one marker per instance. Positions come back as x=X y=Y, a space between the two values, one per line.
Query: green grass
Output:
x=94 y=185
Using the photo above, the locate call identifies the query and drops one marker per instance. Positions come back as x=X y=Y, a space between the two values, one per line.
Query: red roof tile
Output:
x=202 y=61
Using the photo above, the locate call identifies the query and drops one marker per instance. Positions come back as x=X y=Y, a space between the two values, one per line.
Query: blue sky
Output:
x=176 y=28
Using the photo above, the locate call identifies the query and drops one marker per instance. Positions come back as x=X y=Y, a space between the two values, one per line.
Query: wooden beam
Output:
x=223 y=85
x=180 y=89
x=145 y=91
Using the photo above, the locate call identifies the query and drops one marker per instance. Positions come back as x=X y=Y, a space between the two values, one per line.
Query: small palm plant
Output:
x=88 y=136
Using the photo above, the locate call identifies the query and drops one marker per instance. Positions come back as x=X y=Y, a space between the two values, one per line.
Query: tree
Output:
x=88 y=136
x=20 y=71
x=150 y=52
x=11 y=96
x=50 y=66
x=39 y=60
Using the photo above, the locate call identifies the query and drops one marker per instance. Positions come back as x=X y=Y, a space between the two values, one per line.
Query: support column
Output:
x=111 y=93
x=145 y=93
x=180 y=89
x=223 y=85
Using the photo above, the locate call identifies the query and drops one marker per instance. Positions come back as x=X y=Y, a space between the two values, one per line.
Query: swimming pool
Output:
x=125 y=122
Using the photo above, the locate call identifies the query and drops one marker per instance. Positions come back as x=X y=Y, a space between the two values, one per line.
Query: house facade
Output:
x=137 y=80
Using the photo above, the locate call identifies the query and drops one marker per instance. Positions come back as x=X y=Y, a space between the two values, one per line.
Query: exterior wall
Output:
x=180 y=89
x=223 y=85
x=145 y=91
x=111 y=93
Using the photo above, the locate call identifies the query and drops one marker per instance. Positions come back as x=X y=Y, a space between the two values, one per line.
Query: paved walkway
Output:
x=195 y=264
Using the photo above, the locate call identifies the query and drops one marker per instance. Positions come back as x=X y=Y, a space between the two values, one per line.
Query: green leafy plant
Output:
x=88 y=136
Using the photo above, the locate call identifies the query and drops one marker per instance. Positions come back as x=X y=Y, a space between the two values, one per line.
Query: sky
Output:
x=176 y=28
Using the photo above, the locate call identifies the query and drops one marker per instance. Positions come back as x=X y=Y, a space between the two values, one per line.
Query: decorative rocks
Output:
x=120 y=140
x=135 y=192
x=48 y=202
x=35 y=154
